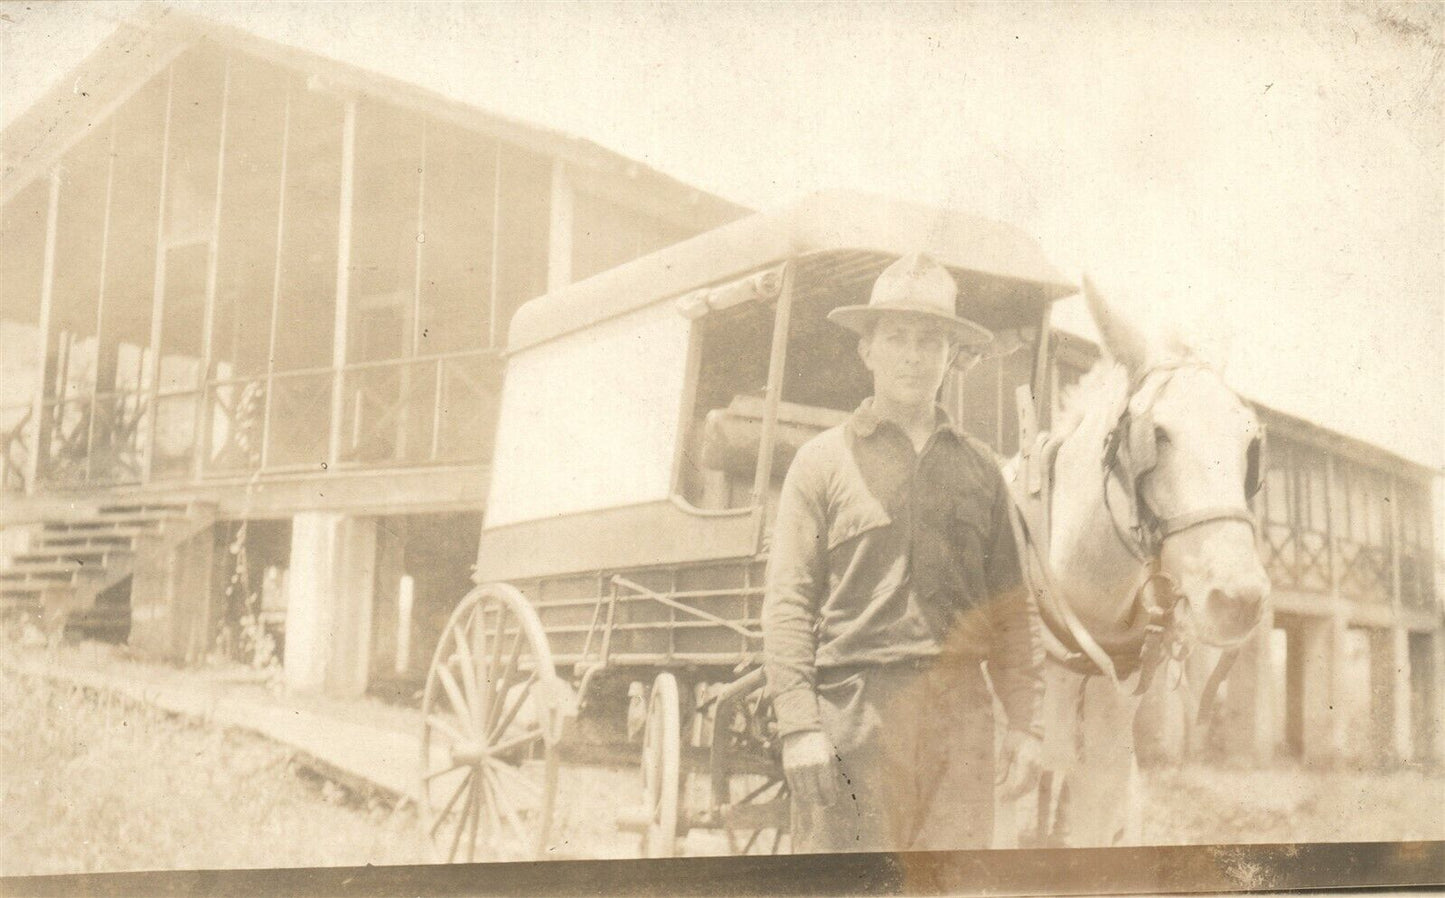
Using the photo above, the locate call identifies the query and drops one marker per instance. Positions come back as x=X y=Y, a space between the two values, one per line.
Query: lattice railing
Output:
x=1297 y=559
x=233 y=426
x=94 y=439
x=420 y=411
x=15 y=449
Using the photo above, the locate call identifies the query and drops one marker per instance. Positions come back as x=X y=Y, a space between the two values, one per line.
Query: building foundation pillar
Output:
x=328 y=619
x=1322 y=656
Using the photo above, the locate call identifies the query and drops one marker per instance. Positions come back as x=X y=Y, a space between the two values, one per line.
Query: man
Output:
x=892 y=577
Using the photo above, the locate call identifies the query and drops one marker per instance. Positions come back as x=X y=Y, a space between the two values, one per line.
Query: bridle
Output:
x=1131 y=455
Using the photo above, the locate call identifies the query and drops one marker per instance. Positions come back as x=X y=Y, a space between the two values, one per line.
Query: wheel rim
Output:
x=491 y=715
x=661 y=766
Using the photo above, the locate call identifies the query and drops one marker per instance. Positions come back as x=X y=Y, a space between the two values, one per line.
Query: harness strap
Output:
x=1091 y=658
x=1181 y=522
x=1211 y=686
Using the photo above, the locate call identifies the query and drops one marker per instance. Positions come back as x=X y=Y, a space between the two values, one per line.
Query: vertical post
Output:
x=1332 y=539
x=100 y=303
x=1338 y=625
x=413 y=346
x=1401 y=738
x=777 y=361
x=276 y=282
x=492 y=317
x=47 y=308
x=158 y=297
x=1043 y=372
x=328 y=615
x=208 y=316
x=343 y=280
x=559 y=233
x=416 y=347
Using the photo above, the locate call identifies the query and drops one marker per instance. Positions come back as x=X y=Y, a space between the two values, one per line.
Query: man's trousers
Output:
x=914 y=764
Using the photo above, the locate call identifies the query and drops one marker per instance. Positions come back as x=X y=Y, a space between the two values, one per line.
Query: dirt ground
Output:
x=91 y=782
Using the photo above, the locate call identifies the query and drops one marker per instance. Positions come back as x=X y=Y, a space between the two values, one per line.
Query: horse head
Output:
x=1180 y=464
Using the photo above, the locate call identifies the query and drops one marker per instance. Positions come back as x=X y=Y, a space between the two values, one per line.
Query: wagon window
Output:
x=732 y=368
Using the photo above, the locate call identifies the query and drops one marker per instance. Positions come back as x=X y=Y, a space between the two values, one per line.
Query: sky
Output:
x=1266 y=178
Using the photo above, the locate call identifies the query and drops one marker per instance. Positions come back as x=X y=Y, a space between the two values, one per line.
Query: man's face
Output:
x=908 y=356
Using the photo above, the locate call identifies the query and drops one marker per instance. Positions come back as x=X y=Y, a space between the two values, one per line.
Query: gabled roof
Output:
x=142 y=47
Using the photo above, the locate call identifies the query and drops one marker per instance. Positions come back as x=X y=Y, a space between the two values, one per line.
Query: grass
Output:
x=94 y=783
x=1198 y=804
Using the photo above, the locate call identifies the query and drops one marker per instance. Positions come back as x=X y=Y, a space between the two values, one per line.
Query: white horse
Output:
x=1151 y=550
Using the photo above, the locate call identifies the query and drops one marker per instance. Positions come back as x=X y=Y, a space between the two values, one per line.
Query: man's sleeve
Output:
x=796 y=582
x=1016 y=656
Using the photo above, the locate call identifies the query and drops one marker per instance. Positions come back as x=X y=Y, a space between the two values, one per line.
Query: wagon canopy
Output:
x=992 y=261
x=647 y=410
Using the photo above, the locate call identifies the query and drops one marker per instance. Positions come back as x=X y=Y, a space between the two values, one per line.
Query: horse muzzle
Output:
x=1225 y=617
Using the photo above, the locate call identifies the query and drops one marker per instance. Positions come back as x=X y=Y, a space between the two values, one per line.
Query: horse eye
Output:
x=1160 y=437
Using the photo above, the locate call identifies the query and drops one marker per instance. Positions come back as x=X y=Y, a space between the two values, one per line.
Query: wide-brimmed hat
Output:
x=915 y=285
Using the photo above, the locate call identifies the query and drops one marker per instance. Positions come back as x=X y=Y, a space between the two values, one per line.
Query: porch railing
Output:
x=420 y=411
x=96 y=439
x=434 y=410
x=15 y=448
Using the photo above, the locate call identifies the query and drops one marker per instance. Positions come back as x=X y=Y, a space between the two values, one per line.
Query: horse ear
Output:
x=1123 y=341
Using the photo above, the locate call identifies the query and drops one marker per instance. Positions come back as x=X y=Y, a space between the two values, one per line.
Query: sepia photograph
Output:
x=937 y=447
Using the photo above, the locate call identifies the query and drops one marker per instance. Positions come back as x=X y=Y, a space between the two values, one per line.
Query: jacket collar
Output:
x=865 y=421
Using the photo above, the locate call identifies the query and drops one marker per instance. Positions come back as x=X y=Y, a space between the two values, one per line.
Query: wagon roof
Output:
x=823 y=222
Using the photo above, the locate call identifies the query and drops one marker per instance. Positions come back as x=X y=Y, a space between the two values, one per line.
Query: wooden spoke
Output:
x=468 y=817
x=468 y=669
x=441 y=723
x=454 y=694
x=494 y=821
x=532 y=793
x=501 y=748
x=473 y=697
x=494 y=656
x=451 y=802
x=500 y=728
x=444 y=771
x=508 y=808
x=504 y=685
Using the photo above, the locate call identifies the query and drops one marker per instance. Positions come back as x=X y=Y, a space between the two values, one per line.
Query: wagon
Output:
x=648 y=415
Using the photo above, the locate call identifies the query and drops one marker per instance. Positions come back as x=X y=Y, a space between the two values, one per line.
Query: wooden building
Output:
x=245 y=283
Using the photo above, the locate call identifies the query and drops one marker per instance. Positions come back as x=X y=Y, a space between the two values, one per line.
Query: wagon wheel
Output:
x=492 y=716
x=749 y=791
x=661 y=768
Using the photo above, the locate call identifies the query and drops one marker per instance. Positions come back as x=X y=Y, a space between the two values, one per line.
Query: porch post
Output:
x=343 y=281
x=100 y=355
x=202 y=440
x=47 y=303
x=1396 y=645
x=158 y=301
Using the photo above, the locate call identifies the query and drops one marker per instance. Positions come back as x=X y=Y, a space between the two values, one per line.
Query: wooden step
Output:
x=20 y=596
x=68 y=541
x=161 y=509
x=58 y=575
x=101 y=557
x=102 y=527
